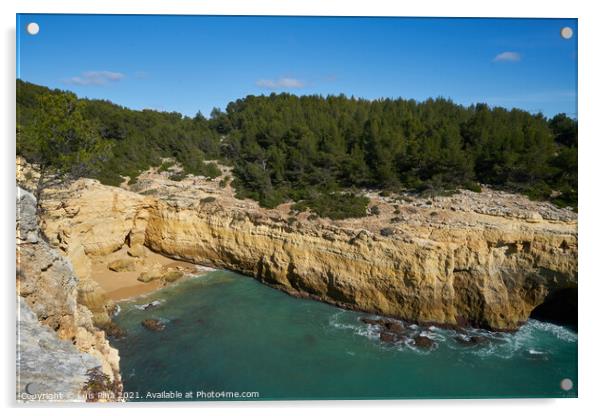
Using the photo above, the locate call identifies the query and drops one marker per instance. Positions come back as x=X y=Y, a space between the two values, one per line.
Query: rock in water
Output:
x=423 y=342
x=369 y=321
x=388 y=337
x=470 y=341
x=152 y=305
x=153 y=325
x=395 y=327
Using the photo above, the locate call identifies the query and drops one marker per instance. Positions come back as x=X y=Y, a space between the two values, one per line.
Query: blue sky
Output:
x=194 y=63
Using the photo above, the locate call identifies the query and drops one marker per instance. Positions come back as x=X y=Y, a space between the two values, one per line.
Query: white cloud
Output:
x=507 y=57
x=96 y=78
x=280 y=83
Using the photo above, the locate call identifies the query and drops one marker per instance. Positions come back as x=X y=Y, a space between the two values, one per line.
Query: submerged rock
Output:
x=153 y=325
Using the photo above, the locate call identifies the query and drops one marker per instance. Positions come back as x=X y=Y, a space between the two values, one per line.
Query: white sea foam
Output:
x=558 y=331
x=373 y=332
x=530 y=339
x=150 y=305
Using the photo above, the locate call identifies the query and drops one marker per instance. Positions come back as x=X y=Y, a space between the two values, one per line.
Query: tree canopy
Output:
x=61 y=141
x=319 y=150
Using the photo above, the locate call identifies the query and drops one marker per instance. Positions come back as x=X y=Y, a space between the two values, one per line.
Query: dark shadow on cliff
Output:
x=559 y=307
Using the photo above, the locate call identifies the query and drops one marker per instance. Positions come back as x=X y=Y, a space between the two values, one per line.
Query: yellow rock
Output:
x=71 y=306
x=172 y=275
x=122 y=265
x=445 y=266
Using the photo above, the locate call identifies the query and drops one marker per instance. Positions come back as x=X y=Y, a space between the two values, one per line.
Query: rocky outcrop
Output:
x=440 y=261
x=48 y=368
x=153 y=325
x=165 y=274
x=121 y=265
x=64 y=325
x=489 y=275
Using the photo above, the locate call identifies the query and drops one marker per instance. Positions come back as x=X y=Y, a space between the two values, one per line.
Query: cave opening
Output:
x=559 y=307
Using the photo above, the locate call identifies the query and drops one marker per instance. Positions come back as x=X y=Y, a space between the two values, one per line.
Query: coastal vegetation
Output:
x=317 y=151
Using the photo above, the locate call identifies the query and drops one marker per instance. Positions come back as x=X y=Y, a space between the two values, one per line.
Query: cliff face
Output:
x=485 y=276
x=48 y=368
x=482 y=259
x=57 y=340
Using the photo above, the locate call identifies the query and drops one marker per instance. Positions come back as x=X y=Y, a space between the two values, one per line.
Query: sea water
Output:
x=227 y=335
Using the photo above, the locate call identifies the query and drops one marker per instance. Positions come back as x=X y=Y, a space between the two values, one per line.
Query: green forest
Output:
x=314 y=150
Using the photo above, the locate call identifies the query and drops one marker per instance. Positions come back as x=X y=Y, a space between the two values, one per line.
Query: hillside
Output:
x=318 y=151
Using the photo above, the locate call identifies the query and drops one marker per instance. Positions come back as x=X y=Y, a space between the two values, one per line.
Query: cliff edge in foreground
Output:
x=57 y=342
x=484 y=259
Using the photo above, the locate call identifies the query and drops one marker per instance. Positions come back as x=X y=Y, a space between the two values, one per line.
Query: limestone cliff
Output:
x=482 y=259
x=57 y=339
x=489 y=275
x=48 y=368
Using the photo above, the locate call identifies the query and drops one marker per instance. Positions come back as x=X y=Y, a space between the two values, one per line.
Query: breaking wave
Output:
x=534 y=340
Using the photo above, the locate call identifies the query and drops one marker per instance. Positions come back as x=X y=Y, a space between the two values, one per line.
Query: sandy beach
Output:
x=119 y=286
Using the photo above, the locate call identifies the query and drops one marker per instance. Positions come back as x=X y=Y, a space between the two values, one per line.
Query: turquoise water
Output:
x=226 y=332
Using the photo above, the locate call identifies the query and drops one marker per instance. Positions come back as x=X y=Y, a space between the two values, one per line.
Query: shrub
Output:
x=473 y=186
x=224 y=182
x=210 y=170
x=335 y=205
x=177 y=176
x=387 y=231
x=375 y=210
x=165 y=166
x=539 y=191
x=98 y=385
